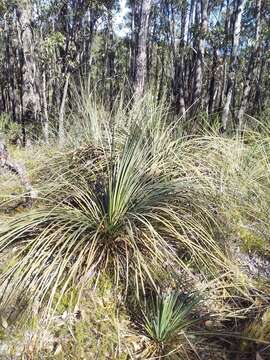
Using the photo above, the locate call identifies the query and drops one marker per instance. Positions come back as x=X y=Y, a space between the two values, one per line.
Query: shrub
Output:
x=136 y=217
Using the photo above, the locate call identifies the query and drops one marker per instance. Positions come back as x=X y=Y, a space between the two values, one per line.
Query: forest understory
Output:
x=139 y=241
x=134 y=179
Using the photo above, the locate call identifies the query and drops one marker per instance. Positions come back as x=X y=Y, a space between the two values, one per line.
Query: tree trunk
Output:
x=233 y=62
x=252 y=68
x=45 y=109
x=30 y=104
x=223 y=77
x=181 y=101
x=202 y=7
x=212 y=84
x=178 y=56
x=259 y=81
x=110 y=58
x=11 y=103
x=141 y=59
x=61 y=130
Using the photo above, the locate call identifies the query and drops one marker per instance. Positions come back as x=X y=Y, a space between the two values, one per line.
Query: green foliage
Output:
x=93 y=330
x=8 y=128
x=168 y=315
x=101 y=339
x=2 y=6
x=165 y=323
x=50 y=45
x=253 y=242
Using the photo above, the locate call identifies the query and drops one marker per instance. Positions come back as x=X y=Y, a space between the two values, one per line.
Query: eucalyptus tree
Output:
x=202 y=56
x=202 y=19
x=141 y=57
x=29 y=86
x=239 y=6
x=253 y=63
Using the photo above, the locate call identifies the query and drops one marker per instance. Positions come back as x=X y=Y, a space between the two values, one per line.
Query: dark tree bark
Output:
x=212 y=85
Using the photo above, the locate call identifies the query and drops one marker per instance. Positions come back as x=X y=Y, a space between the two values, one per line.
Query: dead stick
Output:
x=7 y=163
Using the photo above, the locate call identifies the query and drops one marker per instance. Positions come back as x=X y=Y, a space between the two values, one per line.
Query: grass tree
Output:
x=165 y=322
x=135 y=217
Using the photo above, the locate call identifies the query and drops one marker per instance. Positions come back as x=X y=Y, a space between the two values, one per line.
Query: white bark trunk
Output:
x=45 y=109
x=141 y=61
x=30 y=98
x=202 y=7
x=61 y=130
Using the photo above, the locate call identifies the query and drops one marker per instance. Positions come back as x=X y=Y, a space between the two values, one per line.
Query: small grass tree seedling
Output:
x=165 y=321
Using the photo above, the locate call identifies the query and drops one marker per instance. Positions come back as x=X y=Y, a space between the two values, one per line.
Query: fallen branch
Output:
x=8 y=164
